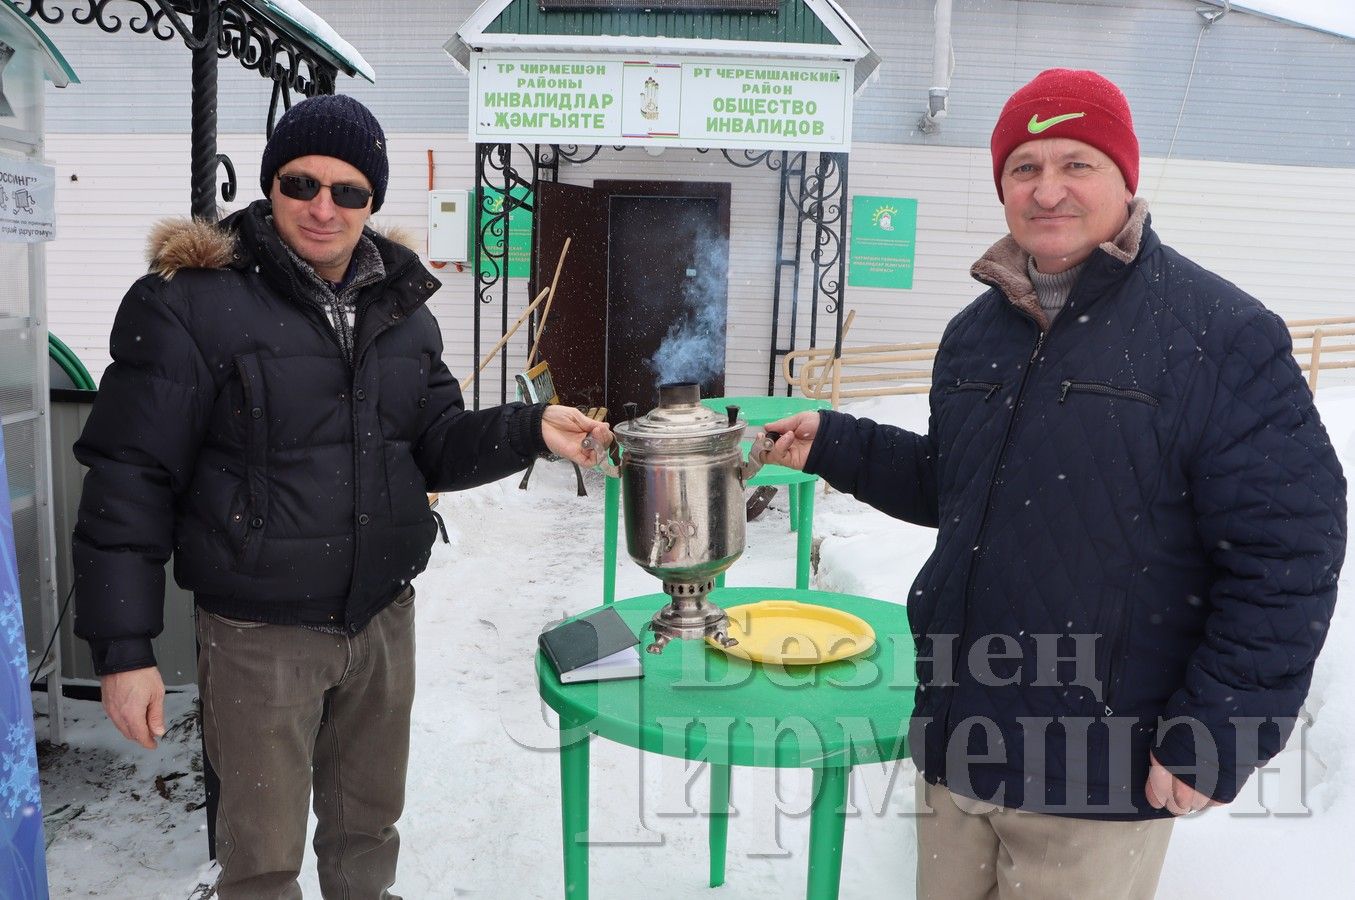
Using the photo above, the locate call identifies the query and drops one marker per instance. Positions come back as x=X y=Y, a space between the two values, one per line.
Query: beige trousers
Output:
x=285 y=708
x=970 y=850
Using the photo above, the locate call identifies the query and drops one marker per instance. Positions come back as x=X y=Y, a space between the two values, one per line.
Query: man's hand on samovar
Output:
x=794 y=437
x=573 y=436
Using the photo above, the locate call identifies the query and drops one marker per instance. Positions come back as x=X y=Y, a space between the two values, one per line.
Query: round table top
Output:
x=758 y=410
x=697 y=702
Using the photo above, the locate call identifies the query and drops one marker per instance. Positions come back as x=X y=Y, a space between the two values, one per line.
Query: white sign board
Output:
x=27 y=201
x=687 y=102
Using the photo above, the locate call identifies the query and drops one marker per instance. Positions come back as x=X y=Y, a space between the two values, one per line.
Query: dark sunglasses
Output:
x=303 y=187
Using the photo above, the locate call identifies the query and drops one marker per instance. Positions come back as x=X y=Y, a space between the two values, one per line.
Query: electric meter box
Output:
x=448 y=225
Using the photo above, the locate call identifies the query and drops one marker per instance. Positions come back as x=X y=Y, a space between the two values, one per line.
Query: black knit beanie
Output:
x=329 y=125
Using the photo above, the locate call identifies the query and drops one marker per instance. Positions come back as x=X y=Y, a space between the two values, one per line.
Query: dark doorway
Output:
x=667 y=288
x=644 y=294
x=574 y=341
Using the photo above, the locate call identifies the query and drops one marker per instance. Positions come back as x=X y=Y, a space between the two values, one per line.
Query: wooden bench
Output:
x=1320 y=345
x=1323 y=345
x=874 y=369
x=536 y=386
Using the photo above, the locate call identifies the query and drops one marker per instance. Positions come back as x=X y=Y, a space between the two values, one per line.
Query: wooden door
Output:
x=574 y=341
x=667 y=288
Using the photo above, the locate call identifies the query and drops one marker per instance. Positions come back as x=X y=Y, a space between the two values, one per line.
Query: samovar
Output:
x=682 y=482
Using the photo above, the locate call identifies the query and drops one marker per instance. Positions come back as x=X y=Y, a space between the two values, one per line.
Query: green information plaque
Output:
x=883 y=240
x=519 y=235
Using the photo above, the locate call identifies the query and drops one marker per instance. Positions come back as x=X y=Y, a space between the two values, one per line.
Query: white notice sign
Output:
x=27 y=201
x=681 y=102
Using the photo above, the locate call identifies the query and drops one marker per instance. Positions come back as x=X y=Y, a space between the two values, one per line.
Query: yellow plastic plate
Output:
x=790 y=633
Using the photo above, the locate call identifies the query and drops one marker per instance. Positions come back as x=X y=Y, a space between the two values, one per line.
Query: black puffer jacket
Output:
x=232 y=430
x=1147 y=487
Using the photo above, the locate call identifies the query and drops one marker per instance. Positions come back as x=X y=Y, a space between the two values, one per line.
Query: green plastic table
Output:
x=697 y=703
x=758 y=410
x=801 y=485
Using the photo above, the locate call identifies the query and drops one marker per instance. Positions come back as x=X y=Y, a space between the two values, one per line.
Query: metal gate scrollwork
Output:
x=815 y=199
x=213 y=29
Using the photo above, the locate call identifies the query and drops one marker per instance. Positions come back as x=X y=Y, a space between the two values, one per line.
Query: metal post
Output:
x=206 y=28
x=827 y=206
x=821 y=170
x=841 y=249
x=489 y=159
x=477 y=257
x=506 y=157
x=799 y=198
x=779 y=265
x=787 y=267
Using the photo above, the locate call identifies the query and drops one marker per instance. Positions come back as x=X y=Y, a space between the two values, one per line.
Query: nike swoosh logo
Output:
x=1035 y=126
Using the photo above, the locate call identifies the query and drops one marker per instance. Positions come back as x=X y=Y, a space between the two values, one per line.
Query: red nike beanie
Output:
x=1069 y=103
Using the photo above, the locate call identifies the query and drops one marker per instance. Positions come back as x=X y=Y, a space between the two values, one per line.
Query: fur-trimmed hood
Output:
x=180 y=243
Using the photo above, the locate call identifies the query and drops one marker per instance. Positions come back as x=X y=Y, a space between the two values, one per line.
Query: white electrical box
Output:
x=448 y=225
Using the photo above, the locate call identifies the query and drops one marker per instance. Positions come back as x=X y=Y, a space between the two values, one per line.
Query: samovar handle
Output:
x=609 y=468
x=763 y=442
x=749 y=467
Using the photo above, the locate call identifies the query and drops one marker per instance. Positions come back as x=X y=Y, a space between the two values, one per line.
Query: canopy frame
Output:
x=246 y=30
x=809 y=196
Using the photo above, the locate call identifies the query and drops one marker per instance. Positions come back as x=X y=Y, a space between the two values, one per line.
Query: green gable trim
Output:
x=55 y=67
x=795 y=24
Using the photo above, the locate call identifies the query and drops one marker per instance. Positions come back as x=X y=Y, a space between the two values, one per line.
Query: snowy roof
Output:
x=1332 y=16
x=300 y=22
x=533 y=30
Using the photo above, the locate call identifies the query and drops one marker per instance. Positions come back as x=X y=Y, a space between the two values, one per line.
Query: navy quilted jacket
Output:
x=1140 y=524
x=232 y=430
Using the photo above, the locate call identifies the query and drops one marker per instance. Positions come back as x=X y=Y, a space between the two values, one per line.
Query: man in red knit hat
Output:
x=1140 y=525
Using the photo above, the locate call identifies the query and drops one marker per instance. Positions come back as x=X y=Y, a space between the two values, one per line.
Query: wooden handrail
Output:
x=1311 y=345
x=822 y=376
x=904 y=375
x=818 y=362
x=868 y=348
x=1329 y=320
x=1307 y=332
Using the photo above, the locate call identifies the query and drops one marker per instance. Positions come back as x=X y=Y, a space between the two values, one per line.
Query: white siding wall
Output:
x=1266 y=99
x=1260 y=91
x=1281 y=233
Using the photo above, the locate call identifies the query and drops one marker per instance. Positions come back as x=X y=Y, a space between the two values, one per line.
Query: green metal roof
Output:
x=54 y=65
x=795 y=24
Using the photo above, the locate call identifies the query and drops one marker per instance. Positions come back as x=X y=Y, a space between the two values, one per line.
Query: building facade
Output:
x=1247 y=127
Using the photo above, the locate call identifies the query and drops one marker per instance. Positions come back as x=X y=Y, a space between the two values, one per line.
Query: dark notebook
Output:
x=595 y=647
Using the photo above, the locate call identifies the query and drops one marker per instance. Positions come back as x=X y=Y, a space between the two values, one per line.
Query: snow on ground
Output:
x=482 y=818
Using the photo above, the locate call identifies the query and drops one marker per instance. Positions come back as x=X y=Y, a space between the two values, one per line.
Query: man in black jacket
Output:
x=275 y=414
x=1140 y=526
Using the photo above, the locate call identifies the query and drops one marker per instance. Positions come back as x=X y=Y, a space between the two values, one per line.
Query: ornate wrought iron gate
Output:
x=815 y=197
x=214 y=29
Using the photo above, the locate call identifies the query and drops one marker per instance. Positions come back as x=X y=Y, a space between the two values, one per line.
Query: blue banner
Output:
x=23 y=864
